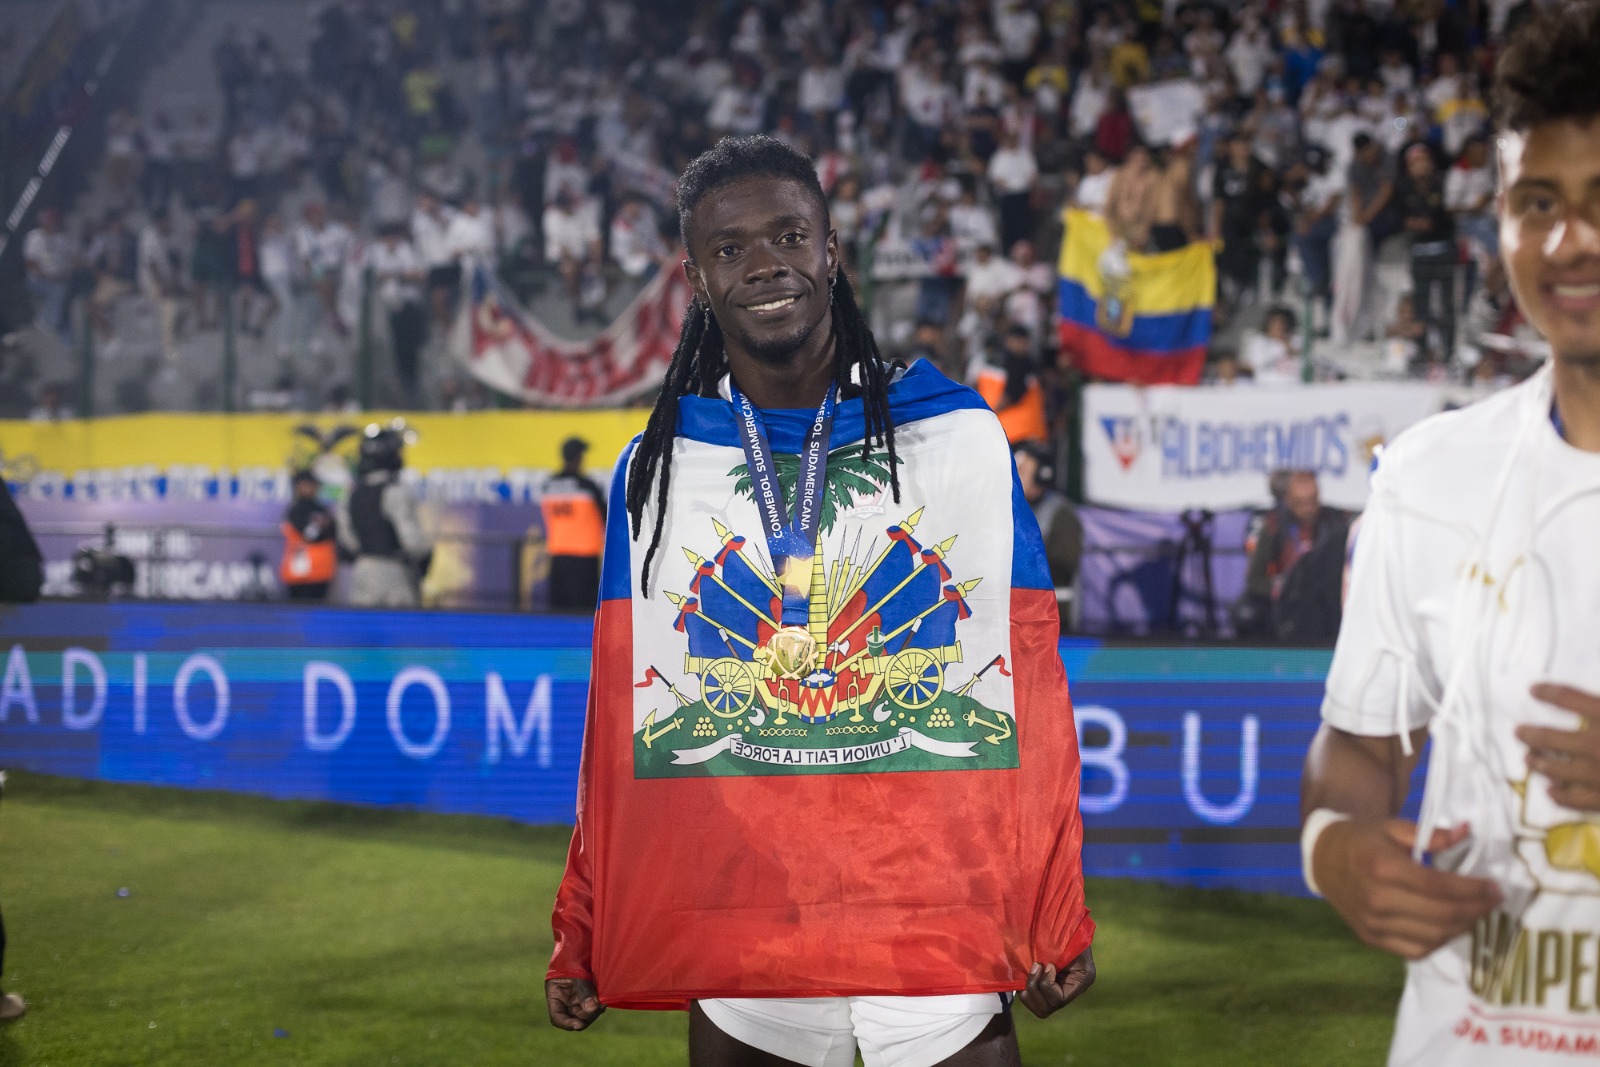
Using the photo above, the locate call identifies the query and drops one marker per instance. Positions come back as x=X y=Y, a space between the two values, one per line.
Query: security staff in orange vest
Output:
x=574 y=509
x=310 y=551
x=1014 y=392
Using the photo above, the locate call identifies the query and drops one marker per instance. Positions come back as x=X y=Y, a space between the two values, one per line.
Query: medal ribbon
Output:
x=792 y=544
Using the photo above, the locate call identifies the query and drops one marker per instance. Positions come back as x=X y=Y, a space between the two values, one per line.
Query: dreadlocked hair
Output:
x=699 y=362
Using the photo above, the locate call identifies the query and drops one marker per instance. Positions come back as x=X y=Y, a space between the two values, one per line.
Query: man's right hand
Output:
x=573 y=1002
x=1366 y=872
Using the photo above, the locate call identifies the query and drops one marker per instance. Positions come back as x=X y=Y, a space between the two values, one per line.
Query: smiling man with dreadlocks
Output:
x=1474 y=616
x=829 y=795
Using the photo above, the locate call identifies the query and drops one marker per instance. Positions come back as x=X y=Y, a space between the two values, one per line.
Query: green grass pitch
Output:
x=261 y=932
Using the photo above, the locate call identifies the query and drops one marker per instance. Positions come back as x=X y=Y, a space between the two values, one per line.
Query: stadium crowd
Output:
x=1329 y=137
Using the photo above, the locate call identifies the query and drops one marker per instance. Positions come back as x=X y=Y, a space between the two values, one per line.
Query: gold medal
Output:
x=792 y=652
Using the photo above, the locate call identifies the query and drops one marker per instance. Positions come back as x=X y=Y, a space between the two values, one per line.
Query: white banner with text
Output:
x=1170 y=448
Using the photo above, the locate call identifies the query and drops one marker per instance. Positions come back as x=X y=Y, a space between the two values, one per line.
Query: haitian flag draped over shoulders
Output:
x=904 y=819
x=1148 y=324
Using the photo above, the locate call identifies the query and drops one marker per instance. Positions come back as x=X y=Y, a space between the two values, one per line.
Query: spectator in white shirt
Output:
x=738 y=108
x=47 y=261
x=990 y=280
x=1028 y=305
x=572 y=243
x=430 y=237
x=1272 y=355
x=1469 y=194
x=160 y=279
x=1396 y=73
x=1249 y=54
x=564 y=170
x=1204 y=45
x=971 y=223
x=280 y=273
x=847 y=214
x=1012 y=172
x=1446 y=85
x=397 y=272
x=470 y=235
x=160 y=143
x=1104 y=34
x=927 y=100
x=512 y=227
x=819 y=93
x=245 y=162
x=1017 y=26
x=636 y=243
x=113 y=255
x=122 y=156
x=982 y=87
x=1090 y=98
x=321 y=245
x=1095 y=183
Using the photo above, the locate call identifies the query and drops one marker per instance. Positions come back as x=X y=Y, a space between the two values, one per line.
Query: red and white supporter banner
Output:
x=507 y=349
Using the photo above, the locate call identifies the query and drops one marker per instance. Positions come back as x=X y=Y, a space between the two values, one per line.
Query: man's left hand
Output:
x=1048 y=992
x=1569 y=758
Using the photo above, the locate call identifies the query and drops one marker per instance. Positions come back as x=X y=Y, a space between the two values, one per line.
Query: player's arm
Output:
x=1362 y=861
x=1364 y=777
x=570 y=994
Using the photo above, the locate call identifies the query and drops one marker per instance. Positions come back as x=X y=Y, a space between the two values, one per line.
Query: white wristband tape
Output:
x=1318 y=821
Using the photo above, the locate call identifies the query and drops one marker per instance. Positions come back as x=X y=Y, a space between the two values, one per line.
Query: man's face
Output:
x=1302 y=499
x=762 y=258
x=1549 y=209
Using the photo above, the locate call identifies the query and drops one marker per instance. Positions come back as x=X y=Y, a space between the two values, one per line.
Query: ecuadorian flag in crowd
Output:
x=1150 y=327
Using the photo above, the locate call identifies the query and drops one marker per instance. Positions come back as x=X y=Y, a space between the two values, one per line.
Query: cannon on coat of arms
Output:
x=883 y=633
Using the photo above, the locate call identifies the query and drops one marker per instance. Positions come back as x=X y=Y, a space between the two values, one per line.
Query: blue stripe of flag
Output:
x=1151 y=334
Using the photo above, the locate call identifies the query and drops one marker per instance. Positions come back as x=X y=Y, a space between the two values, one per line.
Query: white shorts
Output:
x=824 y=1031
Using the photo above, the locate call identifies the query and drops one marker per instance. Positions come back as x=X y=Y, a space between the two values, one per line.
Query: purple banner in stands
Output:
x=487 y=556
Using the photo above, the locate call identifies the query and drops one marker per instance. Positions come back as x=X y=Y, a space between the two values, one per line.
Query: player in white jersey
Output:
x=1474 y=616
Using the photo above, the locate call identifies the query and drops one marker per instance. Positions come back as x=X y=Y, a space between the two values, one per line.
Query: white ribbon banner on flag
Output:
x=509 y=350
x=1171 y=448
x=906 y=739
